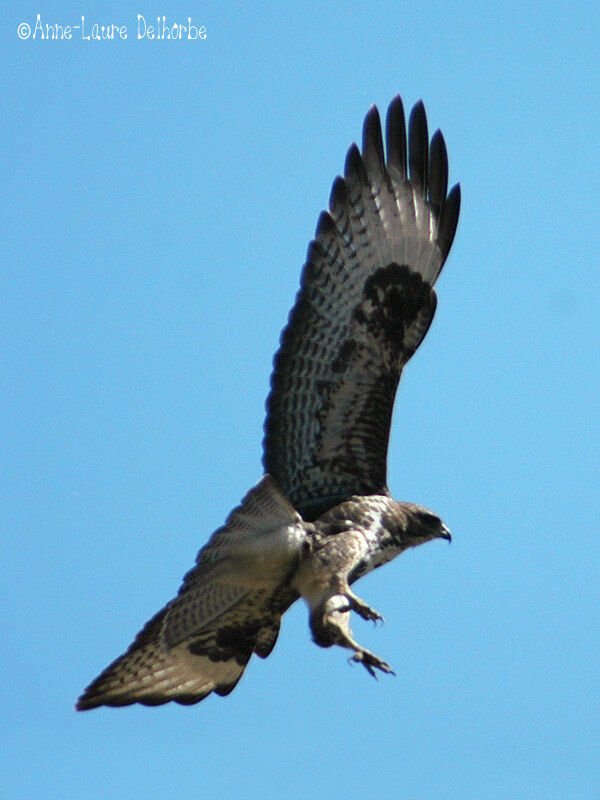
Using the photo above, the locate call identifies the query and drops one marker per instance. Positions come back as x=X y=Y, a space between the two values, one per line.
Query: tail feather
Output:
x=151 y=674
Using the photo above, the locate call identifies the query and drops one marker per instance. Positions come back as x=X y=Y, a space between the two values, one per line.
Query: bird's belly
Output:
x=325 y=566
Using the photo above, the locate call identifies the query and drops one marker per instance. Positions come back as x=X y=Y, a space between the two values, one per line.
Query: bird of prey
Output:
x=322 y=515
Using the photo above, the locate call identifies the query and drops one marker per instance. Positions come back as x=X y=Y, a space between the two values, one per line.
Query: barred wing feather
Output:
x=365 y=303
x=229 y=606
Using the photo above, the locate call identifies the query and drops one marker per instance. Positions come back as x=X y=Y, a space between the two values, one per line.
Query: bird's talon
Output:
x=371 y=662
x=365 y=611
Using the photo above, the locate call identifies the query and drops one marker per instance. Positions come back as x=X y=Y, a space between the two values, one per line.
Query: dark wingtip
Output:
x=449 y=221
x=325 y=226
x=396 y=136
x=438 y=172
x=354 y=167
x=372 y=144
x=418 y=146
x=339 y=194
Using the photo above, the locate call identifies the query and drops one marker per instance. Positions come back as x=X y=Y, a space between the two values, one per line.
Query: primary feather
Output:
x=365 y=303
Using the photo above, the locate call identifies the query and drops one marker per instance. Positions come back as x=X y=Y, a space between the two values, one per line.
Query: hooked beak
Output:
x=445 y=534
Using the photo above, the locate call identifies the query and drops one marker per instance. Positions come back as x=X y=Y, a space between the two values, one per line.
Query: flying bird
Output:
x=322 y=515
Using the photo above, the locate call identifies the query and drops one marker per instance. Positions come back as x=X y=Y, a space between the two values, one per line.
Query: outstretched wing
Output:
x=365 y=303
x=228 y=607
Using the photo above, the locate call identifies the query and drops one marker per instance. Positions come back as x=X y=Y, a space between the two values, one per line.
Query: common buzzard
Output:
x=322 y=515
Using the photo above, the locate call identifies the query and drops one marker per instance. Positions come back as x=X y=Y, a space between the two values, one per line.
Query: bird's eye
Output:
x=430 y=520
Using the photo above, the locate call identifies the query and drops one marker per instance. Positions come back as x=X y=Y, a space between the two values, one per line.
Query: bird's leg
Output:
x=361 y=655
x=336 y=629
x=355 y=603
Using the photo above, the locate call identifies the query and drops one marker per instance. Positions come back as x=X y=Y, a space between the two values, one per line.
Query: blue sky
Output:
x=159 y=200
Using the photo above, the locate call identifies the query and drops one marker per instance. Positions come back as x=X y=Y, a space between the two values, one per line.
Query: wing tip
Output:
x=413 y=173
x=418 y=147
x=372 y=141
x=395 y=130
x=339 y=194
x=449 y=220
x=438 y=172
x=428 y=169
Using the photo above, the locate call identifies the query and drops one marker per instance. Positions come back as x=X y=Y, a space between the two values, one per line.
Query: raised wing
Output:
x=365 y=303
x=229 y=606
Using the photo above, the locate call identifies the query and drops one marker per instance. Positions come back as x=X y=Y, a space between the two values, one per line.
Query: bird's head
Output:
x=419 y=525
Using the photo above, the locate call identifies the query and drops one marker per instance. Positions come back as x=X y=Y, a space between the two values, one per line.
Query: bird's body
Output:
x=322 y=516
x=347 y=542
x=230 y=605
